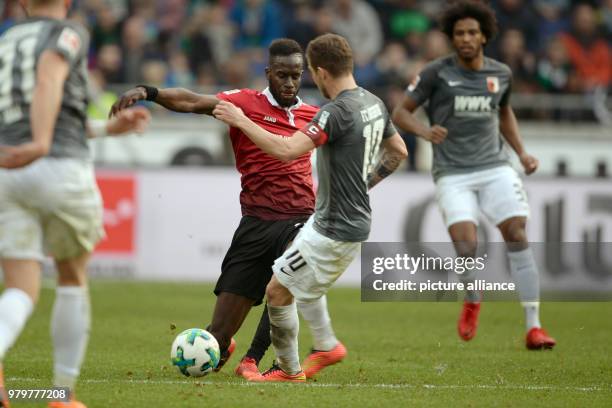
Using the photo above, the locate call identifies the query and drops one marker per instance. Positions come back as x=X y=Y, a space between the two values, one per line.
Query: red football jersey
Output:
x=271 y=189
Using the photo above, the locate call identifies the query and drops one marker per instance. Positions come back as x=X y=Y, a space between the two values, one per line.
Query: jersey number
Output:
x=8 y=52
x=372 y=134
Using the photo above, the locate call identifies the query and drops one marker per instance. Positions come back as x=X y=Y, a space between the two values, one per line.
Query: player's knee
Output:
x=517 y=235
x=277 y=294
x=70 y=278
x=466 y=248
x=465 y=238
x=514 y=230
x=72 y=271
x=271 y=293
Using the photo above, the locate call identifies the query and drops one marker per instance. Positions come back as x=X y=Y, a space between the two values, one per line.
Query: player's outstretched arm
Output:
x=283 y=148
x=174 y=99
x=403 y=117
x=128 y=121
x=508 y=126
x=394 y=152
x=51 y=74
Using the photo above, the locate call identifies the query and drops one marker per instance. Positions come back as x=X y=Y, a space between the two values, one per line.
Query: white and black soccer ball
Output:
x=195 y=352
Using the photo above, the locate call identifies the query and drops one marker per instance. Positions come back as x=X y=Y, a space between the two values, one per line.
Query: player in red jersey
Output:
x=277 y=197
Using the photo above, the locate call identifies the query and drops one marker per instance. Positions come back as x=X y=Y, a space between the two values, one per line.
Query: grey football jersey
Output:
x=349 y=131
x=467 y=104
x=20 y=49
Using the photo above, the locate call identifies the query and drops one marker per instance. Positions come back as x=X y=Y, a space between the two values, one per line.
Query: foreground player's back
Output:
x=20 y=49
x=355 y=123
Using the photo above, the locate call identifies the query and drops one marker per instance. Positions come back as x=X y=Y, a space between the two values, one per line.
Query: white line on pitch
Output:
x=592 y=388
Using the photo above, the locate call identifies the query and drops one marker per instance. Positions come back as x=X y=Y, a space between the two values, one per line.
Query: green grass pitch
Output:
x=400 y=354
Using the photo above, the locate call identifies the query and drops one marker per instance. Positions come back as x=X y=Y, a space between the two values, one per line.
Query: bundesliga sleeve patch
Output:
x=315 y=133
x=69 y=42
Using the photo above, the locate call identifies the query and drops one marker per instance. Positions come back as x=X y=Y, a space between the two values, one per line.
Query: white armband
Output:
x=97 y=128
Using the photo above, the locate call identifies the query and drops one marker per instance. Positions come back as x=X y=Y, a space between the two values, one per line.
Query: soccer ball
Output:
x=195 y=352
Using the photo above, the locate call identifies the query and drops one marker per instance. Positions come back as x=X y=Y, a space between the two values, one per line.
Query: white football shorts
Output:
x=313 y=262
x=54 y=206
x=498 y=192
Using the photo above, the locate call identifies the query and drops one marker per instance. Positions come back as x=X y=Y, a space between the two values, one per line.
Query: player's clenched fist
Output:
x=229 y=113
x=436 y=134
x=128 y=99
x=529 y=162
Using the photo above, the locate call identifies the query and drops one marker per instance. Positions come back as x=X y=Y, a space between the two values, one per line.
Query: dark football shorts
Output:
x=257 y=243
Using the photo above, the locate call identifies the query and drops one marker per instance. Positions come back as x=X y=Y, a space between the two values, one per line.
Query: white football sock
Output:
x=15 y=309
x=525 y=273
x=317 y=316
x=284 y=328
x=70 y=324
x=532 y=314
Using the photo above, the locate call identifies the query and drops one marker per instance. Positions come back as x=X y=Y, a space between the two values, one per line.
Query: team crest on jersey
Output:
x=493 y=84
x=69 y=41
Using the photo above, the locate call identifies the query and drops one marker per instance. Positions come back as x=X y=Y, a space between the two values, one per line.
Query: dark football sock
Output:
x=261 y=341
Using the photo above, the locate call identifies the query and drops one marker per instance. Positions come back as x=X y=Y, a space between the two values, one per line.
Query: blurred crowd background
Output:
x=552 y=46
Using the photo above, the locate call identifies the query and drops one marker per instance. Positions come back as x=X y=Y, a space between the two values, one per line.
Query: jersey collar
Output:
x=274 y=103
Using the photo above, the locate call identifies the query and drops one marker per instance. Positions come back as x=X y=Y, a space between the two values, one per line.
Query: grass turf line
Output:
x=399 y=353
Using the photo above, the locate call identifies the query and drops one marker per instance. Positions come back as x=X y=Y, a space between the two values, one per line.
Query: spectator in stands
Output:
x=137 y=47
x=435 y=46
x=393 y=65
x=515 y=15
x=179 y=74
x=209 y=38
x=171 y=15
x=554 y=68
x=553 y=19
x=358 y=22
x=106 y=29
x=404 y=17
x=513 y=53
x=258 y=22
x=588 y=51
x=301 y=15
x=155 y=72
x=11 y=13
x=393 y=97
x=108 y=63
x=606 y=16
x=324 y=21
x=236 y=73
